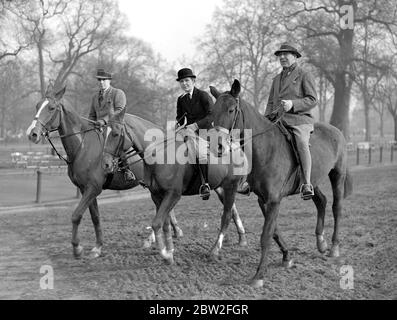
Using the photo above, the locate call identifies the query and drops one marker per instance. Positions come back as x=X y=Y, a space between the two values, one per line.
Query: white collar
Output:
x=190 y=92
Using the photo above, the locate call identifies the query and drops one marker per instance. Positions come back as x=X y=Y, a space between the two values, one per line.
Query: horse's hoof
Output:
x=170 y=261
x=178 y=233
x=334 y=252
x=256 y=283
x=243 y=242
x=78 y=251
x=214 y=253
x=322 y=245
x=168 y=256
x=213 y=256
x=288 y=263
x=95 y=253
x=147 y=244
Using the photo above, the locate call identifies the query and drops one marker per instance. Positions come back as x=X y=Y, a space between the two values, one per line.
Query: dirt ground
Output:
x=126 y=270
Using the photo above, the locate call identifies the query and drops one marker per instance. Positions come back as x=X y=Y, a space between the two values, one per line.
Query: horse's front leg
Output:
x=95 y=217
x=178 y=233
x=88 y=195
x=164 y=240
x=236 y=218
x=228 y=203
x=270 y=212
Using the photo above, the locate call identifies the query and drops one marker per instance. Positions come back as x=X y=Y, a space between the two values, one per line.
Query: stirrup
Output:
x=129 y=175
x=245 y=189
x=204 y=191
x=309 y=193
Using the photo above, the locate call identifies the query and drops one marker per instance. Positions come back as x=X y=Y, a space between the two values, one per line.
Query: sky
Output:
x=170 y=26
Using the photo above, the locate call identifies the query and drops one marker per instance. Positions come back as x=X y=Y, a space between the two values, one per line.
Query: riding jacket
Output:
x=112 y=104
x=296 y=85
x=195 y=109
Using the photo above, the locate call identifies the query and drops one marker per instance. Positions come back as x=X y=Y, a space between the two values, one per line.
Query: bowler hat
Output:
x=185 y=73
x=285 y=47
x=101 y=74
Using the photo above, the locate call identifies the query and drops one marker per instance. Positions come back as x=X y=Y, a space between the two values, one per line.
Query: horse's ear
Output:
x=236 y=88
x=60 y=93
x=214 y=92
x=50 y=89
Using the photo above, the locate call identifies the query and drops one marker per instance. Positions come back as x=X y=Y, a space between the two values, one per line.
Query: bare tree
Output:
x=239 y=43
x=65 y=31
x=389 y=91
x=9 y=92
x=370 y=65
x=12 y=42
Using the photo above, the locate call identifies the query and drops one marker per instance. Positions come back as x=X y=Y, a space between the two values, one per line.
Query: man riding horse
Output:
x=294 y=90
x=106 y=104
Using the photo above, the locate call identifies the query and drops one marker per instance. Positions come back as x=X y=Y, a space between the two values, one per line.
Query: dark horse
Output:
x=169 y=180
x=275 y=175
x=83 y=144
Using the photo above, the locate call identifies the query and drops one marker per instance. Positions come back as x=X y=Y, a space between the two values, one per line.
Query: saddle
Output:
x=290 y=138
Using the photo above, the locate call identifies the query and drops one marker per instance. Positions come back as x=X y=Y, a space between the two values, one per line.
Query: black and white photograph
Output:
x=198 y=156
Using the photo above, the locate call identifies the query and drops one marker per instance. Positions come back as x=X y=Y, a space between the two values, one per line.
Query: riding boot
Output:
x=306 y=190
x=243 y=186
x=205 y=188
x=128 y=174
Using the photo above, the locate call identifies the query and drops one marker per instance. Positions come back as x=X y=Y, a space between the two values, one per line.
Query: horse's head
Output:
x=226 y=114
x=114 y=145
x=226 y=110
x=48 y=115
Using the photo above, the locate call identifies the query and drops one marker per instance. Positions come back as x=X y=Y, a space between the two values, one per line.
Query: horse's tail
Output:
x=348 y=185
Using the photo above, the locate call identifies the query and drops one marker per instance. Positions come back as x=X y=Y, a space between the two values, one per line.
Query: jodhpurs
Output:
x=302 y=136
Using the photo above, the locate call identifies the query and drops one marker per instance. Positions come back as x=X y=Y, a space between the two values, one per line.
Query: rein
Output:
x=236 y=115
x=47 y=132
x=137 y=152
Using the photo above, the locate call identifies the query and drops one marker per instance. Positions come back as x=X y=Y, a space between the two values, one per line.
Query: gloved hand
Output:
x=100 y=123
x=287 y=105
x=194 y=127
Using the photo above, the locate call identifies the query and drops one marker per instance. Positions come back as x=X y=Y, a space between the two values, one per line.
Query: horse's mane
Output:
x=249 y=110
x=68 y=108
x=137 y=119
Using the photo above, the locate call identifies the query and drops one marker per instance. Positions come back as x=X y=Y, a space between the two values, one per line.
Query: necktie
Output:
x=100 y=96
x=284 y=74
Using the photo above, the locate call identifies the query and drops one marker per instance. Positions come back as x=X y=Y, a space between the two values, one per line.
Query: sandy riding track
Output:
x=29 y=240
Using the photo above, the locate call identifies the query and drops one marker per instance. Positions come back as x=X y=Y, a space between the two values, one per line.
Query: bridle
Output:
x=46 y=132
x=116 y=151
x=237 y=112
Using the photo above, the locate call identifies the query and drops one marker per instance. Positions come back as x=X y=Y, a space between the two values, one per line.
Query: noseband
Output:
x=58 y=110
x=228 y=132
x=116 y=152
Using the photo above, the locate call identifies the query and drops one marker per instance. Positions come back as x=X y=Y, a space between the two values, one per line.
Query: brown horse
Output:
x=83 y=144
x=169 y=180
x=275 y=173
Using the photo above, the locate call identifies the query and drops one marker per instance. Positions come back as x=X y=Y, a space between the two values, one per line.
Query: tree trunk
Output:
x=322 y=98
x=340 y=112
x=381 y=124
x=41 y=67
x=368 y=132
x=2 y=122
x=395 y=127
